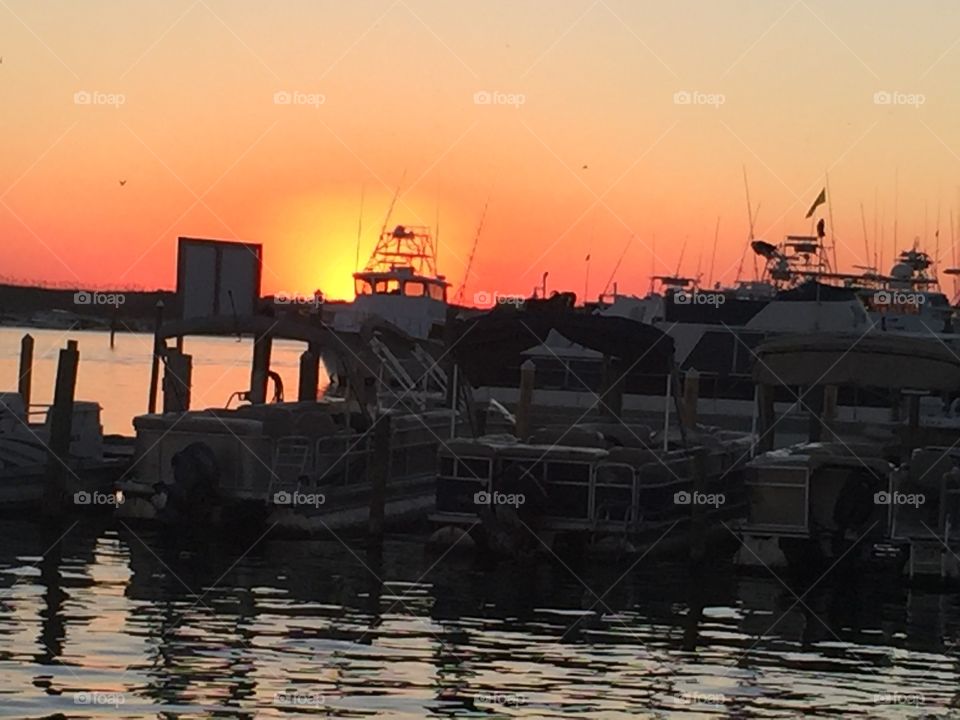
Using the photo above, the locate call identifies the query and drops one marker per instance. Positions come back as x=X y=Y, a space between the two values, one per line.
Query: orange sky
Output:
x=786 y=89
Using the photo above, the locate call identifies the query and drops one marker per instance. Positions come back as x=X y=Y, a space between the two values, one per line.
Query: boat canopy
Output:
x=488 y=343
x=874 y=359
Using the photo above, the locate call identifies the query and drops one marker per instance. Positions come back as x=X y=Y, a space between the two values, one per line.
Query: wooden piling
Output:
x=525 y=402
x=814 y=413
x=177 y=379
x=61 y=426
x=379 y=474
x=25 y=381
x=830 y=408
x=158 y=347
x=309 y=376
x=767 y=417
x=262 y=347
x=698 y=519
x=611 y=392
x=691 y=396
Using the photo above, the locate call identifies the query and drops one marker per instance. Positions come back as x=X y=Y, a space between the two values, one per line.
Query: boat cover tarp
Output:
x=875 y=360
x=497 y=339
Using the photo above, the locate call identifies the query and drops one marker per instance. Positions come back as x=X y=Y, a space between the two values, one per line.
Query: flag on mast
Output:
x=821 y=199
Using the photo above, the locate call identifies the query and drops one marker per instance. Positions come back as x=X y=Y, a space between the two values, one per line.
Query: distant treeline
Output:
x=135 y=309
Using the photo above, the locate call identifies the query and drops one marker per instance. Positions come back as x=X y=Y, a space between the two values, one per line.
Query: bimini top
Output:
x=873 y=359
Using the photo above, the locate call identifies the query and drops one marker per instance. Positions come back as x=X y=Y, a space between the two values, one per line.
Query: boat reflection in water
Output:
x=129 y=618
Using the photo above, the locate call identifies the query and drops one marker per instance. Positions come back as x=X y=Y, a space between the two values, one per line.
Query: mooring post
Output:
x=379 y=476
x=525 y=401
x=691 y=394
x=25 y=381
x=830 y=409
x=262 y=346
x=815 y=413
x=612 y=390
x=177 y=379
x=157 y=352
x=61 y=426
x=309 y=376
x=698 y=520
x=767 y=417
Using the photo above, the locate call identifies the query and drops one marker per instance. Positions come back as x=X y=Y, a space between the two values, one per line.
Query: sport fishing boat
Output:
x=400 y=284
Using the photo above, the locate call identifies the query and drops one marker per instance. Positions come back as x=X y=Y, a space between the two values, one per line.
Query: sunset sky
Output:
x=585 y=141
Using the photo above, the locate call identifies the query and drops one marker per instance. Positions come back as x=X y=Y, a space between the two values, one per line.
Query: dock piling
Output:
x=155 y=365
x=525 y=401
x=309 y=376
x=25 y=376
x=691 y=395
x=379 y=475
x=177 y=379
x=262 y=347
x=767 y=417
x=61 y=426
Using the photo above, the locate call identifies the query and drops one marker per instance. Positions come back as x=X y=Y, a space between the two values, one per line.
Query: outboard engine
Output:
x=196 y=479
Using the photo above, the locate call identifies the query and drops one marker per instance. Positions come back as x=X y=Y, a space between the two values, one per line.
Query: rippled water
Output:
x=120 y=622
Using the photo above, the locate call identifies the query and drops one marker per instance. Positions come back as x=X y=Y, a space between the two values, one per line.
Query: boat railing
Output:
x=343 y=459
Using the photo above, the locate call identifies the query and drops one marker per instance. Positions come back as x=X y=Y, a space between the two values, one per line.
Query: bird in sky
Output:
x=122 y=183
